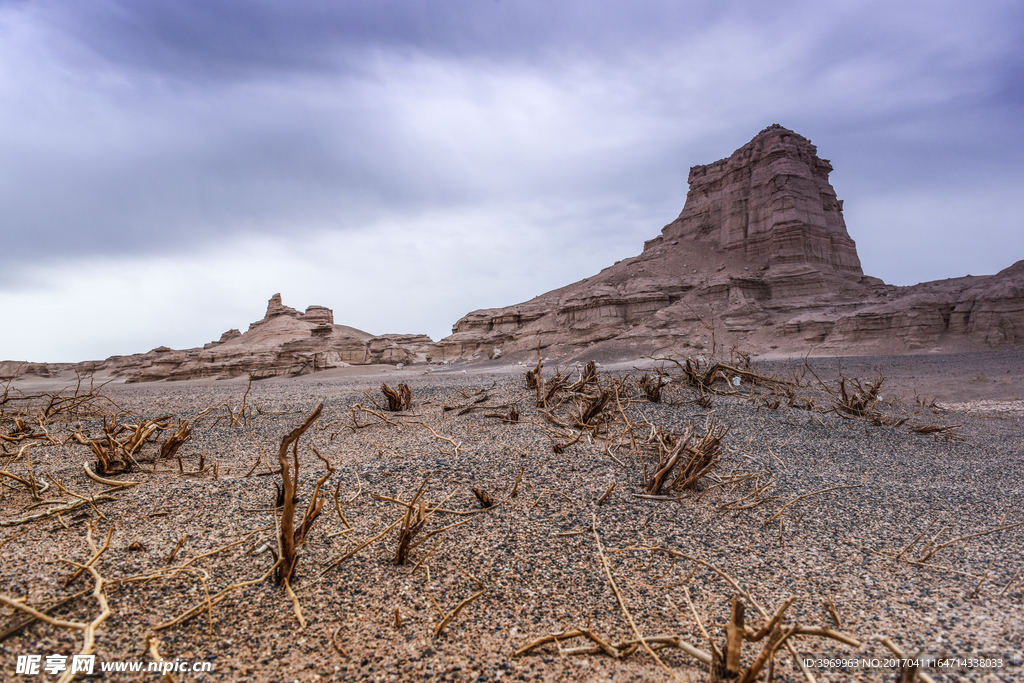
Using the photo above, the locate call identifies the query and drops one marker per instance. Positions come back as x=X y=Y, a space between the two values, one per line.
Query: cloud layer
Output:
x=176 y=163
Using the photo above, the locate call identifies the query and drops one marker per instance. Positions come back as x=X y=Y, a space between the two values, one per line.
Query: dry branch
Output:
x=170 y=447
x=286 y=538
x=455 y=612
x=665 y=467
x=964 y=538
x=88 y=628
x=412 y=524
x=607 y=493
x=652 y=387
x=693 y=462
x=618 y=597
x=594 y=407
x=107 y=482
x=485 y=499
x=947 y=432
x=59 y=509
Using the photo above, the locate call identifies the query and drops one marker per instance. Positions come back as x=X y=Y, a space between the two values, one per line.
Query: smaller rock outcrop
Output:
x=285 y=342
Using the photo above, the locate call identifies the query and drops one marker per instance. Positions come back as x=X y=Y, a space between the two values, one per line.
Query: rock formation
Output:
x=771 y=202
x=759 y=257
x=284 y=343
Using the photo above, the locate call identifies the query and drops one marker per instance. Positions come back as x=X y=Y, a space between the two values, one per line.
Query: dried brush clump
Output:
x=170 y=447
x=115 y=452
x=860 y=399
x=689 y=462
x=412 y=523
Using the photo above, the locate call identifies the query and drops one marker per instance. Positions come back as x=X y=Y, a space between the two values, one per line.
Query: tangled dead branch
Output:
x=861 y=397
x=588 y=376
x=170 y=447
x=243 y=416
x=88 y=629
x=485 y=498
x=47 y=408
x=651 y=385
x=947 y=432
x=594 y=407
x=116 y=451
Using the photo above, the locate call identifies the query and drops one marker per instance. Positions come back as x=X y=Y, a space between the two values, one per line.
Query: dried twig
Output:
x=607 y=493
x=814 y=493
x=964 y=538
x=455 y=612
x=618 y=597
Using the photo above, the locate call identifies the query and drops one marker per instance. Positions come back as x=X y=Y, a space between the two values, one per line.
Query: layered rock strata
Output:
x=759 y=257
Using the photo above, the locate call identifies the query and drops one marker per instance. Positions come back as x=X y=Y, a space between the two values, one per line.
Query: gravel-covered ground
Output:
x=533 y=560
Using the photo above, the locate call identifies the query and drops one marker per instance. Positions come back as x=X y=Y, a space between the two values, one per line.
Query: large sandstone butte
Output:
x=759 y=258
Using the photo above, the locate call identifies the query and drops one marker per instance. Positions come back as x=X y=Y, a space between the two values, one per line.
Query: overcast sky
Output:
x=167 y=166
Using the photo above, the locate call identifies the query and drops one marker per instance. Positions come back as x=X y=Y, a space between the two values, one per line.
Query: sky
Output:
x=167 y=166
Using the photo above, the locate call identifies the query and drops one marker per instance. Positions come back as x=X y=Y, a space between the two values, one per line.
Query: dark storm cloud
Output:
x=161 y=122
x=239 y=38
x=189 y=132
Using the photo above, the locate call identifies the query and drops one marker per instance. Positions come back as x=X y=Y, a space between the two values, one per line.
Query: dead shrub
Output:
x=861 y=397
x=689 y=462
x=289 y=539
x=595 y=406
x=588 y=375
x=115 y=452
x=170 y=447
x=651 y=386
x=398 y=400
x=413 y=522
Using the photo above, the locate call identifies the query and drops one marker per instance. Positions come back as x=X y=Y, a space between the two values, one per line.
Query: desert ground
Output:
x=850 y=527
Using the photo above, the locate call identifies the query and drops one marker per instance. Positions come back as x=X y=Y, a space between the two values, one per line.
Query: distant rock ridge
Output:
x=318 y=315
x=759 y=257
x=284 y=343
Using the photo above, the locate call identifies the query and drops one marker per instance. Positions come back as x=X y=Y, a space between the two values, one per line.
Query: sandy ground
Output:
x=866 y=559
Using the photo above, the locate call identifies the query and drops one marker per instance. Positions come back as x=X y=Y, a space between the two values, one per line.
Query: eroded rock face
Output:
x=772 y=202
x=759 y=257
x=978 y=312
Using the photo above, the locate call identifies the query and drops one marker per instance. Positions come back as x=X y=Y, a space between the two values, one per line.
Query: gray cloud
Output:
x=188 y=131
